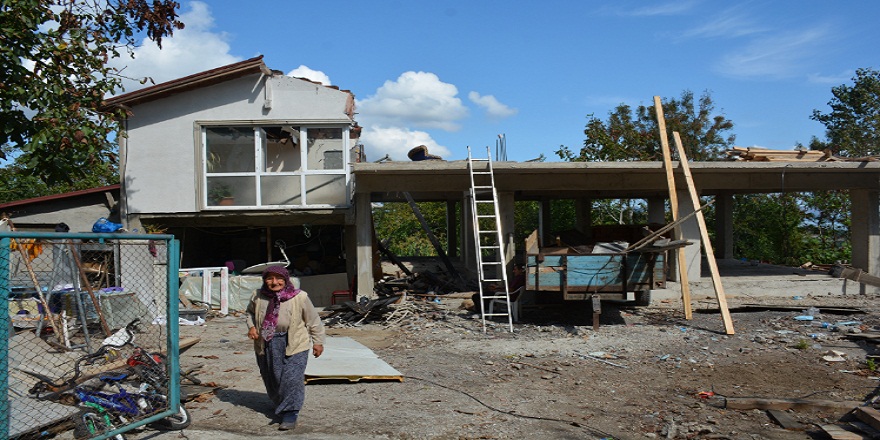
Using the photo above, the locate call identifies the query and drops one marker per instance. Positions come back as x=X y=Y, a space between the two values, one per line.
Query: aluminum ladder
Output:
x=489 y=243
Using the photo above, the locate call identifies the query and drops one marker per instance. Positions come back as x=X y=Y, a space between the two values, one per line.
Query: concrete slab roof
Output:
x=446 y=180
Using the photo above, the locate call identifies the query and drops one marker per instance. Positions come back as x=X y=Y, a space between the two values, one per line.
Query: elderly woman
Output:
x=283 y=324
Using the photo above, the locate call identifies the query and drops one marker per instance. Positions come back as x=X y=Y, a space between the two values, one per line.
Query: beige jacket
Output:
x=305 y=329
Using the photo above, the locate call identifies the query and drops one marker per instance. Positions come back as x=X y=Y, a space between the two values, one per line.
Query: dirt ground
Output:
x=638 y=376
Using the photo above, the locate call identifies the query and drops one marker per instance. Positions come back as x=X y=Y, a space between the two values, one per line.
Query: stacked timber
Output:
x=767 y=155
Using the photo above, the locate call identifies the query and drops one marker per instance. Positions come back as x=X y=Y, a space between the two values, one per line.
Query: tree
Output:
x=853 y=124
x=20 y=184
x=53 y=56
x=630 y=136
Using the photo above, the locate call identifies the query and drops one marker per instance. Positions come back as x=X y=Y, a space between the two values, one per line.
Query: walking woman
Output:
x=283 y=324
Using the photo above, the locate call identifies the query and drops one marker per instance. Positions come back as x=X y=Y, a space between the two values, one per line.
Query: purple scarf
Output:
x=275 y=300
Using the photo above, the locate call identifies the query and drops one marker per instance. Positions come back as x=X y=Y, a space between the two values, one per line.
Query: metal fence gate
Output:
x=92 y=325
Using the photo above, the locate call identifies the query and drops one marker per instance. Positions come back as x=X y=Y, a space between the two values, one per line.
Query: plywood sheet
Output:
x=346 y=359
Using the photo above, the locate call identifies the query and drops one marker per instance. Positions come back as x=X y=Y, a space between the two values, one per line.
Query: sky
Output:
x=453 y=74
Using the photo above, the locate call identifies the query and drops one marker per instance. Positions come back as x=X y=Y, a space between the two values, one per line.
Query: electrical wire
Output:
x=594 y=431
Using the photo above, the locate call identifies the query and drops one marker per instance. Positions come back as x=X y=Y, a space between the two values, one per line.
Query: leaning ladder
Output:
x=487 y=235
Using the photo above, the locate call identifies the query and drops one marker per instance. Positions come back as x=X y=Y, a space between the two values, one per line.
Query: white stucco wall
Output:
x=161 y=167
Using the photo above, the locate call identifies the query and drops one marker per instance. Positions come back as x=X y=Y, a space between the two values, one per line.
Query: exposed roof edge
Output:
x=201 y=79
x=81 y=192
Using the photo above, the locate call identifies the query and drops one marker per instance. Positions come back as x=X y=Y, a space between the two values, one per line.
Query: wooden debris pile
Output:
x=424 y=282
x=394 y=310
x=757 y=154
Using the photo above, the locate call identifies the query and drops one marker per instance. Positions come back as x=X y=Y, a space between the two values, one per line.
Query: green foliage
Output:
x=803 y=344
x=53 y=55
x=398 y=225
x=871 y=364
x=633 y=136
x=20 y=183
x=853 y=125
x=827 y=226
x=792 y=228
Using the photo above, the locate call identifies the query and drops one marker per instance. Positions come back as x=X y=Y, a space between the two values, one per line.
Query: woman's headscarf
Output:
x=275 y=299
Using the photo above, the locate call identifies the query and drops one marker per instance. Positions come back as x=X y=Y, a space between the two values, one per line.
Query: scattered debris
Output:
x=854 y=274
x=834 y=356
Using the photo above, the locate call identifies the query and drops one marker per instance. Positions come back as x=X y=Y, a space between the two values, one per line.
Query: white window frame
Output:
x=259 y=164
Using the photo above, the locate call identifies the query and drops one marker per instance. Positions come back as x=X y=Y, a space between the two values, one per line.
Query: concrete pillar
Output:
x=506 y=208
x=657 y=215
x=583 y=211
x=865 y=232
x=364 y=227
x=724 y=225
x=349 y=242
x=657 y=210
x=690 y=231
x=451 y=230
x=468 y=248
x=545 y=224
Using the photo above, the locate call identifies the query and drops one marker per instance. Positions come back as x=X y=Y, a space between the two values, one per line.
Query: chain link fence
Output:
x=92 y=333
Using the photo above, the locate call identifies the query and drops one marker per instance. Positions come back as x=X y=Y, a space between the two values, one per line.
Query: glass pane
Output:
x=322 y=140
x=229 y=149
x=333 y=160
x=231 y=191
x=282 y=151
x=280 y=190
x=326 y=190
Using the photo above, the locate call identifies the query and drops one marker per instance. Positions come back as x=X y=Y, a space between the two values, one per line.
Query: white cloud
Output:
x=665 y=9
x=417 y=99
x=777 y=56
x=732 y=22
x=494 y=108
x=396 y=142
x=194 y=49
x=315 y=75
x=840 y=78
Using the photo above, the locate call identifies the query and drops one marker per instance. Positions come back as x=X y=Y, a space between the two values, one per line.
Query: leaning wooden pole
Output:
x=84 y=280
x=54 y=320
x=673 y=203
x=704 y=235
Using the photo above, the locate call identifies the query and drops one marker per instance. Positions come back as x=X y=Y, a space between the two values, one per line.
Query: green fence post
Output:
x=5 y=290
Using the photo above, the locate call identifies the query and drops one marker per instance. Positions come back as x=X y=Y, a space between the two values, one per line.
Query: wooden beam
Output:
x=785 y=420
x=427 y=228
x=869 y=415
x=704 y=235
x=673 y=203
x=786 y=404
x=838 y=433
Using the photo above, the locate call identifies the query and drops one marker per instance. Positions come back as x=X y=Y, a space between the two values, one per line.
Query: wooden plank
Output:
x=786 y=404
x=704 y=236
x=785 y=420
x=84 y=280
x=673 y=203
x=864 y=428
x=869 y=415
x=838 y=433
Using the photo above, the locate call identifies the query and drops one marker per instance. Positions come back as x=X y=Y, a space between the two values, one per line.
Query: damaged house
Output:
x=244 y=165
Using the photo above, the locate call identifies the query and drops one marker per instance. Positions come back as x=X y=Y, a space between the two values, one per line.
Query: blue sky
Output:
x=452 y=74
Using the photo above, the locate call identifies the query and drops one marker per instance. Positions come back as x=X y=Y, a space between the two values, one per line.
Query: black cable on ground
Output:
x=594 y=431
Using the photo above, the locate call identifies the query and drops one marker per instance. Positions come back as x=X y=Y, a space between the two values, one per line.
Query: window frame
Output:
x=260 y=147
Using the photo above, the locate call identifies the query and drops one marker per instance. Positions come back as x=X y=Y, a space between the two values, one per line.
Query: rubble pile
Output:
x=392 y=311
